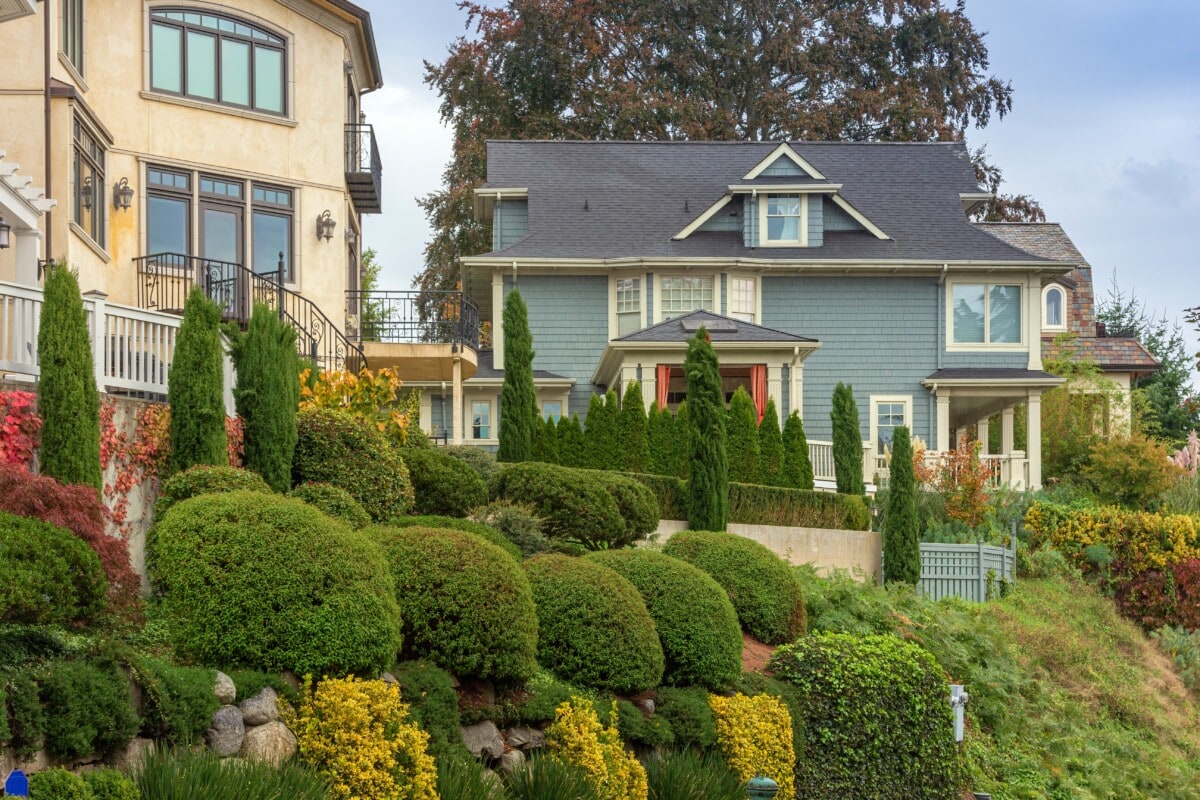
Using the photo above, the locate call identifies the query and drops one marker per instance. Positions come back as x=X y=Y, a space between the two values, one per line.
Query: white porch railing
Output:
x=821 y=455
x=1011 y=470
x=132 y=348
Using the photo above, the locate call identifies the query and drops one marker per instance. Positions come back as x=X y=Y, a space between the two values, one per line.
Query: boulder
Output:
x=646 y=704
x=483 y=740
x=290 y=679
x=260 y=709
x=512 y=760
x=35 y=762
x=224 y=689
x=227 y=732
x=389 y=679
x=526 y=738
x=134 y=754
x=272 y=743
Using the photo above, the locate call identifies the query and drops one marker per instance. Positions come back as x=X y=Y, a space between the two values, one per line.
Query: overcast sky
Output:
x=1105 y=131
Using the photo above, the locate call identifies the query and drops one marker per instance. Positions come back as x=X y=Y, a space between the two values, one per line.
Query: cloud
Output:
x=1165 y=181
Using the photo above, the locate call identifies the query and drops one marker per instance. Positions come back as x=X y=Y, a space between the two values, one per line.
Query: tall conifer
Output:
x=742 y=442
x=662 y=440
x=572 y=448
x=902 y=535
x=683 y=442
x=847 y=441
x=797 y=466
x=518 y=398
x=708 y=481
x=770 y=446
x=634 y=449
x=196 y=388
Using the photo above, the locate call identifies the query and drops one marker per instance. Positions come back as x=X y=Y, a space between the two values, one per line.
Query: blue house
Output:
x=809 y=263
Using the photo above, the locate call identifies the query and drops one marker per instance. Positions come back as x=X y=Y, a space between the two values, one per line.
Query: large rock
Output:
x=272 y=743
x=483 y=740
x=224 y=689
x=526 y=738
x=260 y=709
x=134 y=754
x=227 y=732
x=512 y=760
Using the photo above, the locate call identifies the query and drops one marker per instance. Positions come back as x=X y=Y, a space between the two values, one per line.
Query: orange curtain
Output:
x=758 y=389
x=662 y=377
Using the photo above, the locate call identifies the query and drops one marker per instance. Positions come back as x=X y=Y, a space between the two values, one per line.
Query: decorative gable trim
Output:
x=708 y=214
x=858 y=216
x=783 y=151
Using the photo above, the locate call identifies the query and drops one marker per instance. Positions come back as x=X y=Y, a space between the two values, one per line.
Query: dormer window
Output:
x=785 y=219
x=1054 y=308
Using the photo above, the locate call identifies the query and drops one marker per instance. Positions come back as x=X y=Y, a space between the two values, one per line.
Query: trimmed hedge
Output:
x=334 y=501
x=671 y=493
x=271 y=583
x=877 y=719
x=205 y=479
x=485 y=532
x=178 y=702
x=443 y=484
x=49 y=575
x=574 y=504
x=593 y=626
x=765 y=593
x=697 y=625
x=351 y=453
x=464 y=603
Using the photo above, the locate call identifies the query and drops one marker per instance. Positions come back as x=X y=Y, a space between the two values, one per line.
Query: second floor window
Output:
x=783 y=218
x=685 y=294
x=1054 y=308
x=986 y=313
x=72 y=33
x=217 y=58
x=629 y=305
x=88 y=210
x=742 y=303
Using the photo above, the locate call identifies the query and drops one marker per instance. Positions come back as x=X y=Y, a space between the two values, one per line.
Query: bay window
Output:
x=986 y=313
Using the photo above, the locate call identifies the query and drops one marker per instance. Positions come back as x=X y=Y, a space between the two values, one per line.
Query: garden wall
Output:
x=858 y=552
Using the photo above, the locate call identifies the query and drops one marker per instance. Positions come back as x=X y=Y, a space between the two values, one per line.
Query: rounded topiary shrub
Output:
x=574 y=504
x=482 y=461
x=764 y=592
x=58 y=784
x=351 y=453
x=465 y=526
x=636 y=503
x=593 y=626
x=518 y=524
x=49 y=575
x=334 y=502
x=443 y=484
x=697 y=626
x=271 y=583
x=465 y=603
x=204 y=479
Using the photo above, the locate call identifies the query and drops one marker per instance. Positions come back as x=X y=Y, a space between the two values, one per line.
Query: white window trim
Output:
x=658 y=290
x=1004 y=347
x=876 y=400
x=763 y=241
x=469 y=420
x=612 y=301
x=732 y=276
x=1045 y=295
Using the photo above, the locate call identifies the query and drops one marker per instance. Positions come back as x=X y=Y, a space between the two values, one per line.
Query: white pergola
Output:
x=21 y=208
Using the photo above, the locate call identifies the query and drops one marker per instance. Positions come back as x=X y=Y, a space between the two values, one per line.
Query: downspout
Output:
x=941 y=331
x=49 y=244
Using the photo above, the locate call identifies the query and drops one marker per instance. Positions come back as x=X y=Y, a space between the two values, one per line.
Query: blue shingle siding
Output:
x=836 y=219
x=510 y=222
x=816 y=221
x=568 y=317
x=783 y=166
x=728 y=218
x=750 y=222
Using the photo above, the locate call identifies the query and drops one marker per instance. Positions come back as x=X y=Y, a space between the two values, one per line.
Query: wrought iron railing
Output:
x=364 y=168
x=165 y=279
x=428 y=317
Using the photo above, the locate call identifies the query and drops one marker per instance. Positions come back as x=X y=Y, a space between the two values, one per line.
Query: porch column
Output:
x=796 y=390
x=981 y=433
x=1033 y=322
x=1033 y=448
x=28 y=248
x=426 y=411
x=649 y=386
x=943 y=423
x=1006 y=431
x=456 y=436
x=629 y=374
x=960 y=435
x=497 y=322
x=775 y=387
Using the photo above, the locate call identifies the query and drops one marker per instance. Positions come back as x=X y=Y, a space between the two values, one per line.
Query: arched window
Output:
x=217 y=58
x=1055 y=307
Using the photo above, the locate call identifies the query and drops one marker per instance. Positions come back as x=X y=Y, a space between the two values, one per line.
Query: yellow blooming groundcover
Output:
x=578 y=737
x=755 y=735
x=1138 y=540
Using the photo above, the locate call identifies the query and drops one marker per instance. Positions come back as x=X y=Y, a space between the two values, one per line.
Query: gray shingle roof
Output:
x=991 y=374
x=635 y=194
x=720 y=329
x=486 y=368
x=1045 y=240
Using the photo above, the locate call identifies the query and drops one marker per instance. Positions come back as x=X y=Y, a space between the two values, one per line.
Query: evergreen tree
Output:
x=518 y=398
x=770 y=447
x=901 y=535
x=601 y=432
x=682 y=457
x=68 y=401
x=847 y=442
x=662 y=440
x=196 y=388
x=545 y=443
x=742 y=445
x=708 y=481
x=267 y=395
x=572 y=448
x=634 y=440
x=797 y=466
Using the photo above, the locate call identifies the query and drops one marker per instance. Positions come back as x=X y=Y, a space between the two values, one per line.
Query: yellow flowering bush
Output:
x=578 y=737
x=358 y=735
x=1138 y=540
x=369 y=395
x=755 y=734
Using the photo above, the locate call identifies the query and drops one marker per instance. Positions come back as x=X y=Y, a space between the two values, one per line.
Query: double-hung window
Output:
x=629 y=305
x=72 y=33
x=784 y=219
x=683 y=294
x=986 y=313
x=889 y=412
x=481 y=419
x=217 y=58
x=552 y=409
x=88 y=209
x=271 y=229
x=742 y=299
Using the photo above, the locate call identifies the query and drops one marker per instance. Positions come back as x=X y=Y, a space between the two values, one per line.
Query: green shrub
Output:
x=697 y=626
x=110 y=784
x=178 y=702
x=27 y=720
x=196 y=388
x=482 y=461
x=639 y=729
x=335 y=502
x=352 y=454
x=572 y=446
x=671 y=493
x=760 y=584
x=602 y=449
x=1133 y=472
x=485 y=532
x=545 y=441
x=50 y=576
x=206 y=479
x=5 y=730
x=593 y=627
x=661 y=435
x=770 y=446
x=58 y=784
x=687 y=775
x=250 y=682
x=536 y=701
x=443 y=484
x=180 y=774
x=636 y=503
x=633 y=434
x=296 y=589
x=87 y=705
x=432 y=704
x=573 y=504
x=752 y=504
x=20 y=644
x=464 y=603
x=744 y=448
x=518 y=524
x=878 y=722
x=687 y=711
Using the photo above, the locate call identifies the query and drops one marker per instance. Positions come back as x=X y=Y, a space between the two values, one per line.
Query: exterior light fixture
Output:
x=85 y=193
x=352 y=237
x=5 y=234
x=122 y=195
x=325 y=225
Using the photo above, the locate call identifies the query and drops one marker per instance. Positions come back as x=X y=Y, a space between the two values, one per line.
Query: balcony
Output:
x=423 y=334
x=364 y=170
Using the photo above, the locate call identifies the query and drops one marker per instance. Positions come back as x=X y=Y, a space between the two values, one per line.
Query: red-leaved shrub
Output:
x=79 y=510
x=1171 y=596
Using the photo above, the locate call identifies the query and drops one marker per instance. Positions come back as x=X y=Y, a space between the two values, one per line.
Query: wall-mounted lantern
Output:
x=325 y=225
x=5 y=234
x=122 y=195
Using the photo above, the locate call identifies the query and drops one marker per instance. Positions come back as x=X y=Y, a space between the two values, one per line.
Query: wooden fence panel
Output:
x=971 y=572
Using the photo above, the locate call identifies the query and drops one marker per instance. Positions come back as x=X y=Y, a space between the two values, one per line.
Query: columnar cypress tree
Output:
x=662 y=440
x=196 y=388
x=572 y=449
x=634 y=439
x=708 y=481
x=847 y=442
x=550 y=441
x=267 y=395
x=797 y=466
x=68 y=401
x=742 y=444
x=518 y=398
x=901 y=535
x=595 y=433
x=683 y=442
x=770 y=446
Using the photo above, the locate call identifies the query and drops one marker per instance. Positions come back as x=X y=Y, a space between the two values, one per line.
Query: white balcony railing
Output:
x=821 y=455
